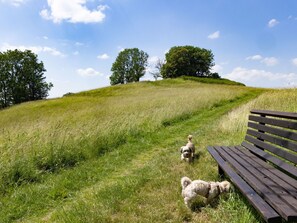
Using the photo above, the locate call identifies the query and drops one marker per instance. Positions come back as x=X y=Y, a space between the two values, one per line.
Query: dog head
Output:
x=224 y=186
x=186 y=151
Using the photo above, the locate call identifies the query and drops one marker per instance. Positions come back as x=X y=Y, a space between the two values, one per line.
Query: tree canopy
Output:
x=129 y=66
x=21 y=78
x=189 y=61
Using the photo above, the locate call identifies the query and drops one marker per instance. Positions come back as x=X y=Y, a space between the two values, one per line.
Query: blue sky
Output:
x=253 y=41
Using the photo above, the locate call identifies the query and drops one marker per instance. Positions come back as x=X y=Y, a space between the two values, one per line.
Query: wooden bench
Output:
x=263 y=167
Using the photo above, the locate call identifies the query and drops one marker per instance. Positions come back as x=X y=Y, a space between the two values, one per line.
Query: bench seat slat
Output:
x=274 y=131
x=245 y=171
x=279 y=177
x=268 y=213
x=274 y=122
x=276 y=161
x=267 y=171
x=277 y=141
x=282 y=153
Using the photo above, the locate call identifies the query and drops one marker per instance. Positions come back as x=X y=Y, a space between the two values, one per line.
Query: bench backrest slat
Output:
x=275 y=132
x=278 y=141
x=274 y=122
x=289 y=115
x=273 y=149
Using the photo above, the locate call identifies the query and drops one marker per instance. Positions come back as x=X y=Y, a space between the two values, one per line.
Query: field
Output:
x=112 y=154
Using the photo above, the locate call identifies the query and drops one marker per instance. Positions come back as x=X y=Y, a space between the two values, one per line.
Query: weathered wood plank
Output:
x=249 y=174
x=274 y=122
x=288 y=183
x=268 y=213
x=289 y=115
x=275 y=131
x=276 y=161
x=282 y=153
x=275 y=140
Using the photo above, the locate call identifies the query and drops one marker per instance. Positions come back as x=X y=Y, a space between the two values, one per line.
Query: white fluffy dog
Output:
x=209 y=190
x=188 y=151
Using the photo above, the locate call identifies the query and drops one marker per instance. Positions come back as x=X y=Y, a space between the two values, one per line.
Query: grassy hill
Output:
x=112 y=154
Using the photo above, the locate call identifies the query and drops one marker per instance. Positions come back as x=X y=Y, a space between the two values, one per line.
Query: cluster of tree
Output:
x=21 y=78
x=130 y=65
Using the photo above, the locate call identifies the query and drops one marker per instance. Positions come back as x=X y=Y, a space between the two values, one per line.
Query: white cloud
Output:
x=153 y=60
x=79 y=44
x=120 y=48
x=103 y=57
x=214 y=35
x=272 y=23
x=88 y=72
x=262 y=78
x=294 y=61
x=255 y=57
x=34 y=49
x=216 y=68
x=73 y=11
x=270 y=61
x=14 y=2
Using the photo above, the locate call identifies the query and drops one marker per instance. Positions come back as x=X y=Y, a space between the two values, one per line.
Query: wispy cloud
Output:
x=103 y=56
x=255 y=57
x=214 y=35
x=294 y=61
x=254 y=77
x=272 y=23
x=88 y=72
x=34 y=49
x=269 y=61
x=73 y=11
x=15 y=3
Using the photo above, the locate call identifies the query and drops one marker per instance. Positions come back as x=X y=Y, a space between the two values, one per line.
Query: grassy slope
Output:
x=123 y=167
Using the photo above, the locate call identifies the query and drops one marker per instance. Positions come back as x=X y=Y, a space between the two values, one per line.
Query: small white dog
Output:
x=209 y=190
x=188 y=151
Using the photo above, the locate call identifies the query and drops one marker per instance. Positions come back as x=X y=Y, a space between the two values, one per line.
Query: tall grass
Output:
x=140 y=181
x=235 y=123
x=46 y=136
x=122 y=143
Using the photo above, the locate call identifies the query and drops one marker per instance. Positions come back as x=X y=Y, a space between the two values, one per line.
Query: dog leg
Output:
x=187 y=202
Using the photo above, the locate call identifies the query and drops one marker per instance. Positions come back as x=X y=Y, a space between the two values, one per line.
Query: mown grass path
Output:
x=123 y=185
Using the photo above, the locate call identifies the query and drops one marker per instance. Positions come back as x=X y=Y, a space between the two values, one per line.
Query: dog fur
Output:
x=188 y=151
x=209 y=190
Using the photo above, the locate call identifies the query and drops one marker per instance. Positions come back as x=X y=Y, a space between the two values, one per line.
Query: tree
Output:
x=21 y=78
x=129 y=66
x=187 y=60
x=215 y=75
x=156 y=71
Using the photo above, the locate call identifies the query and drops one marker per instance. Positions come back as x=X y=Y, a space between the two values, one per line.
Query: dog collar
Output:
x=209 y=188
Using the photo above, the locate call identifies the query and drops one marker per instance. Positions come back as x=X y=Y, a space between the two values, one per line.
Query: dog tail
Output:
x=190 y=138
x=185 y=181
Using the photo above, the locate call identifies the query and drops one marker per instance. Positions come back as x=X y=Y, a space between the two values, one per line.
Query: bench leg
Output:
x=221 y=172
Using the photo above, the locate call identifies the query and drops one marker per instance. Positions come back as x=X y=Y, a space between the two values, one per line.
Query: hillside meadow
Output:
x=112 y=154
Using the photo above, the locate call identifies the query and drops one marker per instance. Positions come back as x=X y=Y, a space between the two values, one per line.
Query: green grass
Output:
x=208 y=80
x=112 y=154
